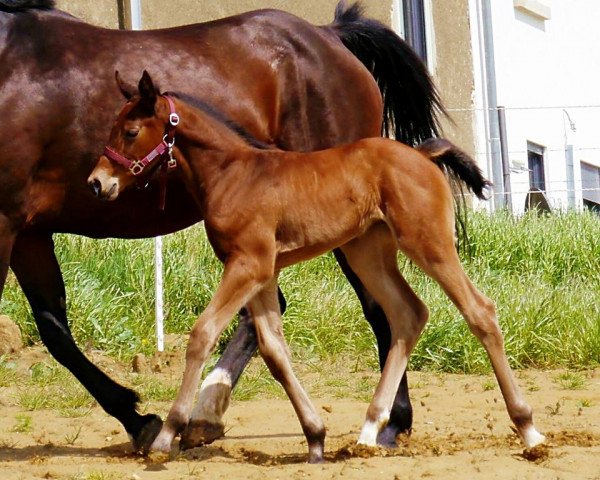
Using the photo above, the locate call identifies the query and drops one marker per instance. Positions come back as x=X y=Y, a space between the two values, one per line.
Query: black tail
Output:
x=410 y=99
x=457 y=164
x=20 y=5
x=461 y=170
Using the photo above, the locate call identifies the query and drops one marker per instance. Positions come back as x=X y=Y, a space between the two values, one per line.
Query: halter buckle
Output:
x=136 y=168
x=174 y=119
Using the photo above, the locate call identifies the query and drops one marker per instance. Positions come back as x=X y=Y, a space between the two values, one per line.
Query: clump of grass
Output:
x=72 y=437
x=571 y=381
x=8 y=372
x=488 y=385
x=97 y=475
x=24 y=424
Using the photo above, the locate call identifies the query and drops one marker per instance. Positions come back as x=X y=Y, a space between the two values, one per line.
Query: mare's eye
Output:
x=132 y=132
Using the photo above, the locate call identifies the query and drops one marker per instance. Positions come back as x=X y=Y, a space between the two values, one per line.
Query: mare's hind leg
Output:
x=373 y=258
x=436 y=255
x=401 y=416
x=264 y=308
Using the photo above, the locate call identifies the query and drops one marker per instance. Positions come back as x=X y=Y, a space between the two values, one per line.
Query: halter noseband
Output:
x=164 y=150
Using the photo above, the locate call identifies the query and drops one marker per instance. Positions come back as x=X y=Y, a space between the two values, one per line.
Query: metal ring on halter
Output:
x=167 y=143
x=174 y=119
x=136 y=168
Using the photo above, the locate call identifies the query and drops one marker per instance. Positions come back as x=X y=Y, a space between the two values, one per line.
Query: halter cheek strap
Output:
x=164 y=150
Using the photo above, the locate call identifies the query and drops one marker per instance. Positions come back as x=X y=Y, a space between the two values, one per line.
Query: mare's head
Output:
x=139 y=139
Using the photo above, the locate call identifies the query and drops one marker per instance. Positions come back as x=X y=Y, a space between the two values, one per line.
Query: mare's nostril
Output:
x=96 y=186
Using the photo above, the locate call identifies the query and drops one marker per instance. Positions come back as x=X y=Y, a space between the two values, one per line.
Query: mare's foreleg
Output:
x=273 y=348
x=242 y=279
x=373 y=258
x=401 y=415
x=37 y=270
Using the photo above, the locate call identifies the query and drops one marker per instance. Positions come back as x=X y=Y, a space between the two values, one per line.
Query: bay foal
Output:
x=267 y=209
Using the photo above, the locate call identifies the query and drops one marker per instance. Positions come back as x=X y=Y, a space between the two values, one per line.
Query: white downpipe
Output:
x=158 y=294
x=135 y=9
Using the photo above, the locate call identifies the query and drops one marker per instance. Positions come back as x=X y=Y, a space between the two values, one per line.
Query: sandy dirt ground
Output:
x=461 y=430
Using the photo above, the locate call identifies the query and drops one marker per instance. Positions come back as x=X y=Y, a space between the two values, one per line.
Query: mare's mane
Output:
x=21 y=5
x=218 y=115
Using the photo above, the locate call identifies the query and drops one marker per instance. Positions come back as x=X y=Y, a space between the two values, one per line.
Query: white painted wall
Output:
x=546 y=72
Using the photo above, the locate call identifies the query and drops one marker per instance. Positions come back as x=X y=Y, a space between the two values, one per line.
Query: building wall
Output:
x=546 y=77
x=104 y=13
x=454 y=69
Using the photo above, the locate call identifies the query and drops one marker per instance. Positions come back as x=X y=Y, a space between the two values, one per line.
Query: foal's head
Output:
x=139 y=139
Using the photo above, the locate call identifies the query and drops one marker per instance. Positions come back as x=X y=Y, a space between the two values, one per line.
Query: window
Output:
x=535 y=161
x=590 y=186
x=412 y=20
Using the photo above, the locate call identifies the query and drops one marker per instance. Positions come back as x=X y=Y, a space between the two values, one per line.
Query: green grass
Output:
x=23 y=424
x=541 y=271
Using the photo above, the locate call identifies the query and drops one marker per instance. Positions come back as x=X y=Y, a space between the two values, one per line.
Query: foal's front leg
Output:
x=238 y=284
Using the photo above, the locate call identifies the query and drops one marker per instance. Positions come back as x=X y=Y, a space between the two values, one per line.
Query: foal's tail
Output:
x=411 y=104
x=461 y=170
x=456 y=164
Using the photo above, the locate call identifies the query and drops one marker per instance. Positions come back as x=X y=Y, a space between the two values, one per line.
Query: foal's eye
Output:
x=132 y=133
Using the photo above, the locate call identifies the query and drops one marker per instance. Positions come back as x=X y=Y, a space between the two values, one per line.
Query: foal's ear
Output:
x=127 y=89
x=147 y=89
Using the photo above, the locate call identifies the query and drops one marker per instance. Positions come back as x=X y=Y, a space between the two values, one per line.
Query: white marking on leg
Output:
x=370 y=429
x=212 y=402
x=162 y=443
x=218 y=375
x=532 y=438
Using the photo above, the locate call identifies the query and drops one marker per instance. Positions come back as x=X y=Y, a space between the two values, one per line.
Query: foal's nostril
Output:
x=96 y=186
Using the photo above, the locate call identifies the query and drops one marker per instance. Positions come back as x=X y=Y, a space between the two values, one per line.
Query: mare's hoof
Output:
x=148 y=433
x=387 y=437
x=200 y=432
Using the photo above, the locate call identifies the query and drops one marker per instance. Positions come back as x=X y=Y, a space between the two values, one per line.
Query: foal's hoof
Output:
x=200 y=432
x=147 y=435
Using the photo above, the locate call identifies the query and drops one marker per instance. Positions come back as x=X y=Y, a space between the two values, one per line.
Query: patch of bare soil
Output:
x=461 y=430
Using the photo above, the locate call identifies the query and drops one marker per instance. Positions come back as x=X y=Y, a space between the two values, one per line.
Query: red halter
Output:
x=164 y=151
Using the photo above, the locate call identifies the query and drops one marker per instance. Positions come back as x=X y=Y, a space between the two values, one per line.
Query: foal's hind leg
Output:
x=436 y=255
x=264 y=308
x=373 y=258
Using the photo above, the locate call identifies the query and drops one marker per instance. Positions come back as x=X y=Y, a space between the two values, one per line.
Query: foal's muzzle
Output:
x=104 y=186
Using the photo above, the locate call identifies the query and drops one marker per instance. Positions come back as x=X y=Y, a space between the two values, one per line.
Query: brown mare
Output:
x=265 y=71
x=267 y=209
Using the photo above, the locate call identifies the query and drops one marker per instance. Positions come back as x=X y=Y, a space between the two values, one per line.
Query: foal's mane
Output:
x=218 y=115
